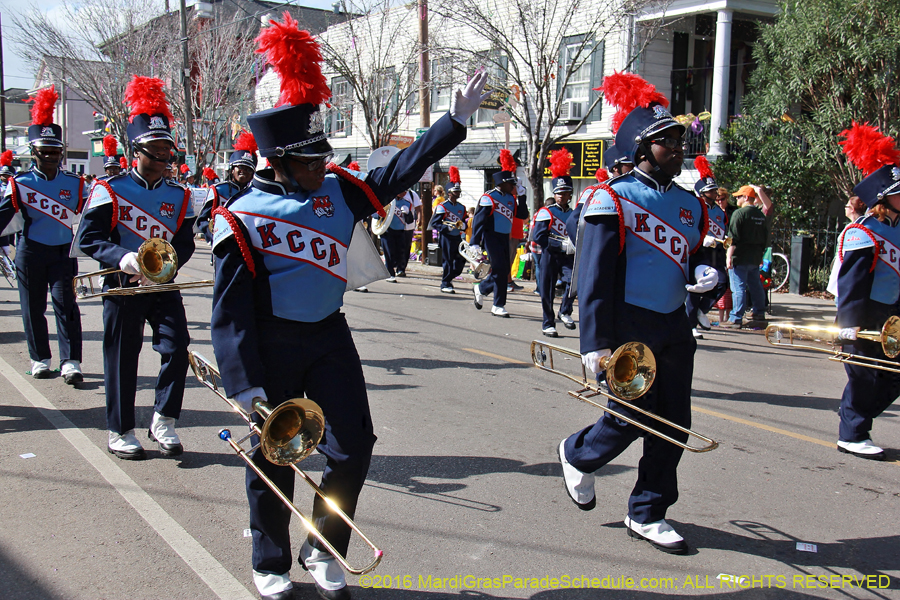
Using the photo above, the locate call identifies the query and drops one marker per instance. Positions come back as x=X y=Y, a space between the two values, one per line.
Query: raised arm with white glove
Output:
x=464 y=103
x=706 y=277
x=591 y=360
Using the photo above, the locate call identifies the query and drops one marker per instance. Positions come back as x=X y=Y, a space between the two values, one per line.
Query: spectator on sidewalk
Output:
x=748 y=232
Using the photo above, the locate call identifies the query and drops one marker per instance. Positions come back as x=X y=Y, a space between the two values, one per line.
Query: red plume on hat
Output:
x=560 y=162
x=507 y=162
x=109 y=145
x=145 y=95
x=868 y=148
x=134 y=164
x=123 y=163
x=44 y=103
x=454 y=175
x=247 y=142
x=209 y=173
x=627 y=91
x=296 y=57
x=703 y=167
x=601 y=175
x=354 y=166
x=6 y=158
x=184 y=168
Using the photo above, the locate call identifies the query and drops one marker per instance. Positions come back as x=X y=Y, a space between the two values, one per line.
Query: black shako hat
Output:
x=643 y=124
x=298 y=130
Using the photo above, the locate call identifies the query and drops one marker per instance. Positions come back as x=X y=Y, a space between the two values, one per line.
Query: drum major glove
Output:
x=246 y=397
x=706 y=277
x=464 y=103
x=591 y=360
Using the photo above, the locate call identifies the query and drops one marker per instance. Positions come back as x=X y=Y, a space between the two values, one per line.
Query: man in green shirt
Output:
x=748 y=231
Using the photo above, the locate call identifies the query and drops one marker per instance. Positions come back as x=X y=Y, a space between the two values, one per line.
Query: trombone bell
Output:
x=291 y=431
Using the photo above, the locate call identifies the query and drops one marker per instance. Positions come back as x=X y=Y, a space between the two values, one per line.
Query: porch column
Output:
x=721 y=69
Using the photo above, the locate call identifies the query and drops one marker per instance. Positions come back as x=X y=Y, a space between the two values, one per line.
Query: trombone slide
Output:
x=888 y=337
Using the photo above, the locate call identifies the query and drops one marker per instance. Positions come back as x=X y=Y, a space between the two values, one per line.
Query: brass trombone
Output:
x=290 y=433
x=888 y=337
x=158 y=263
x=725 y=242
x=630 y=372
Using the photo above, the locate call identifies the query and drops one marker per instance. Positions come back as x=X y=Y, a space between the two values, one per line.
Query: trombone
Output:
x=480 y=266
x=888 y=337
x=290 y=433
x=725 y=242
x=630 y=372
x=158 y=263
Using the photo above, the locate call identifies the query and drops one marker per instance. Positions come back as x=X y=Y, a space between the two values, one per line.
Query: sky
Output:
x=16 y=73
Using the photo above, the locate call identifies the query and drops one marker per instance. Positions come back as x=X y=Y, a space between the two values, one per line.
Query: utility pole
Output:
x=424 y=118
x=2 y=98
x=186 y=82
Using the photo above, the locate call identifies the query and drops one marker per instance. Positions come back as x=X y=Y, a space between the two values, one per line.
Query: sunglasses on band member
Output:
x=670 y=143
x=314 y=164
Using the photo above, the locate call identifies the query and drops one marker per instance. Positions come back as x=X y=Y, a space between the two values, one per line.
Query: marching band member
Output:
x=122 y=213
x=635 y=263
x=415 y=203
x=277 y=328
x=241 y=166
x=491 y=227
x=393 y=241
x=697 y=305
x=549 y=232
x=48 y=198
x=210 y=176
x=617 y=163
x=6 y=173
x=449 y=219
x=868 y=286
x=111 y=166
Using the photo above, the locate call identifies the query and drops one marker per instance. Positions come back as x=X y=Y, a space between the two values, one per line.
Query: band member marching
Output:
x=393 y=241
x=868 y=286
x=122 y=213
x=549 y=232
x=47 y=198
x=635 y=261
x=490 y=229
x=449 y=219
x=697 y=305
x=277 y=328
x=241 y=166
x=111 y=166
x=617 y=163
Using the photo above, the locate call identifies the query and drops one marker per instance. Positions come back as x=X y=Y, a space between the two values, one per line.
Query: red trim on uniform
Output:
x=14 y=196
x=618 y=202
x=115 y=203
x=868 y=233
x=704 y=229
x=184 y=205
x=379 y=208
x=215 y=203
x=80 y=195
x=243 y=246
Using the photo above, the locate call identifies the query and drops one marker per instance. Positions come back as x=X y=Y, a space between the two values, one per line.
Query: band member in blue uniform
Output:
x=449 y=219
x=47 y=198
x=697 y=305
x=122 y=213
x=277 y=328
x=617 y=163
x=490 y=229
x=111 y=166
x=551 y=235
x=868 y=288
x=393 y=241
x=634 y=264
x=241 y=166
x=6 y=173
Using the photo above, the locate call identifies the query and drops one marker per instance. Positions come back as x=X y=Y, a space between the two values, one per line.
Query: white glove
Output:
x=404 y=209
x=246 y=397
x=591 y=360
x=129 y=264
x=706 y=277
x=709 y=241
x=475 y=249
x=849 y=333
x=464 y=103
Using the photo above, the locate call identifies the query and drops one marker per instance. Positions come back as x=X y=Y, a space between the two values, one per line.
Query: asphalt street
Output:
x=464 y=494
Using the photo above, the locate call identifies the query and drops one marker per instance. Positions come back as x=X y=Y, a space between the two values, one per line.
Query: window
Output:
x=412 y=89
x=497 y=66
x=386 y=87
x=337 y=122
x=441 y=84
x=583 y=60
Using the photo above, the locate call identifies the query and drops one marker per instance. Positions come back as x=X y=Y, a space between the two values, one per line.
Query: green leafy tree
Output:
x=820 y=65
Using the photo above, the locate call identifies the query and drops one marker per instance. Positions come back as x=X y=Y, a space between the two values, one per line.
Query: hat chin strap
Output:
x=648 y=156
x=142 y=150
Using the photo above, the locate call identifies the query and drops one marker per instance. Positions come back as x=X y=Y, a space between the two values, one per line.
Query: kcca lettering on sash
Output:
x=125 y=213
x=320 y=249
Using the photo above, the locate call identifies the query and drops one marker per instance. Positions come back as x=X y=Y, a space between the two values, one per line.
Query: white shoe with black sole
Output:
x=568 y=321
x=71 y=372
x=448 y=290
x=550 y=332
x=40 y=369
x=162 y=431
x=696 y=333
x=659 y=533
x=864 y=449
x=325 y=571
x=499 y=311
x=125 y=446
x=479 y=297
x=579 y=486
x=703 y=321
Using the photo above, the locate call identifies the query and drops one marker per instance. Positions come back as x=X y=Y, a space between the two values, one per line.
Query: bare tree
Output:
x=372 y=57
x=541 y=52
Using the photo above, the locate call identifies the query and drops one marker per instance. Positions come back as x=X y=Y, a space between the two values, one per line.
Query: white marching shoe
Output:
x=658 y=533
x=391 y=279
x=125 y=446
x=162 y=430
x=479 y=297
x=696 y=333
x=274 y=587
x=448 y=290
x=40 y=369
x=863 y=449
x=703 y=320
x=499 y=311
x=71 y=372
x=326 y=572
x=579 y=486
x=550 y=332
x=568 y=321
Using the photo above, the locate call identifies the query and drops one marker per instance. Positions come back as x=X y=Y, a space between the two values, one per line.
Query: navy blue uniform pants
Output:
x=452 y=261
x=656 y=489
x=123 y=336
x=555 y=264
x=704 y=302
x=867 y=394
x=407 y=250
x=319 y=361
x=393 y=242
x=497 y=246
x=39 y=267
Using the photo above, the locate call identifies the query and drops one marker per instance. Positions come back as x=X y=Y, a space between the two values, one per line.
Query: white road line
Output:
x=213 y=574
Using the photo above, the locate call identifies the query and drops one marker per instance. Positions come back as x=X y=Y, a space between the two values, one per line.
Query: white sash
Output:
x=141 y=223
x=557 y=226
x=289 y=240
x=46 y=205
x=503 y=210
x=656 y=232
x=888 y=253
x=715 y=230
x=451 y=216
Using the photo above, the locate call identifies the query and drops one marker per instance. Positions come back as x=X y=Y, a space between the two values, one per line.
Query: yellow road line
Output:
x=706 y=411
